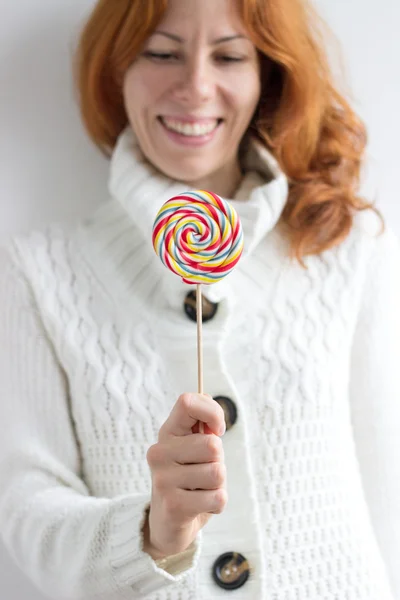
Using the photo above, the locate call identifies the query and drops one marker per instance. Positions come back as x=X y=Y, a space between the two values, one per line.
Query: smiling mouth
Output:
x=194 y=129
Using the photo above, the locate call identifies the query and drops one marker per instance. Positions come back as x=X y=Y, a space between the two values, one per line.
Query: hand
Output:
x=188 y=475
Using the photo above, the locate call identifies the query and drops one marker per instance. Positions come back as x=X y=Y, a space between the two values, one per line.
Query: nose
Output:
x=196 y=83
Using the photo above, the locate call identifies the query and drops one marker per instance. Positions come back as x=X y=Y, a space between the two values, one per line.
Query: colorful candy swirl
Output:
x=198 y=236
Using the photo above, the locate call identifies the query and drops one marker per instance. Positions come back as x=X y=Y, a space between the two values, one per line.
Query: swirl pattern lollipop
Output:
x=198 y=236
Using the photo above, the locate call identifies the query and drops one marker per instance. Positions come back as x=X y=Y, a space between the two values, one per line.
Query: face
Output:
x=191 y=93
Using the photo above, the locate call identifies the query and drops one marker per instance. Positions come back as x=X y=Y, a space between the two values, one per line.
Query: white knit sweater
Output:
x=95 y=349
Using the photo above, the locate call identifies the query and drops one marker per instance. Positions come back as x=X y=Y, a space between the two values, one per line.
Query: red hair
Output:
x=302 y=119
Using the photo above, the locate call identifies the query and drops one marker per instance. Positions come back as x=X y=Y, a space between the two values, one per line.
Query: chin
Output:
x=187 y=174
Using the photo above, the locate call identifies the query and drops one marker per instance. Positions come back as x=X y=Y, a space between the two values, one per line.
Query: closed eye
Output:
x=161 y=56
x=169 y=56
x=230 y=59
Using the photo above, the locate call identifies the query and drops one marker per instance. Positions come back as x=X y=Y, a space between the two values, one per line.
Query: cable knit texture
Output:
x=96 y=348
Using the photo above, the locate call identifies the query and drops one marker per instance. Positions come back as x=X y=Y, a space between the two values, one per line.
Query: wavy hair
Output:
x=316 y=137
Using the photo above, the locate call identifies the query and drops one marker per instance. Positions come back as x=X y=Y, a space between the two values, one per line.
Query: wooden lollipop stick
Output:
x=199 y=318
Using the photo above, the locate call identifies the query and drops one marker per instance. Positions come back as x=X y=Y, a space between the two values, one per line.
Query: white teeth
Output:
x=189 y=129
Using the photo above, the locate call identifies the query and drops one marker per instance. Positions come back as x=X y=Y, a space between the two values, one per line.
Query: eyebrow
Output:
x=222 y=40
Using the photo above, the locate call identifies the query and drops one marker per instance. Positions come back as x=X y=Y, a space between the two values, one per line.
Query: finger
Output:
x=206 y=429
x=189 y=409
x=206 y=476
x=189 y=449
x=190 y=504
x=196 y=427
x=197 y=448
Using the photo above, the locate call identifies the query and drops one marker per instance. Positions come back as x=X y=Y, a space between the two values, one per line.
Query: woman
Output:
x=107 y=488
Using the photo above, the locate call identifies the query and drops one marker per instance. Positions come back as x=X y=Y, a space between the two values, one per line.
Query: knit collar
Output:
x=122 y=229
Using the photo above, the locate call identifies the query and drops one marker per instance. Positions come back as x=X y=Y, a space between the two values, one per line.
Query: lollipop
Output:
x=199 y=237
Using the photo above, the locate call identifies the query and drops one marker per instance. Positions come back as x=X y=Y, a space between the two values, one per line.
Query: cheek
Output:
x=245 y=97
x=251 y=91
x=141 y=89
x=244 y=91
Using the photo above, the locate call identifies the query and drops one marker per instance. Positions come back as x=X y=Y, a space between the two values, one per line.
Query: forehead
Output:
x=210 y=17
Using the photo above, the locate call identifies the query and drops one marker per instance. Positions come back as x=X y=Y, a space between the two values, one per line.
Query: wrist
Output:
x=147 y=545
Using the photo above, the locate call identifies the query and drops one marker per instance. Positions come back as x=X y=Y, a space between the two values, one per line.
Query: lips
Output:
x=191 y=127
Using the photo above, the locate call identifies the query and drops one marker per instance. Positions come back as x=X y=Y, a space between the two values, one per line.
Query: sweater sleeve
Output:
x=375 y=398
x=70 y=544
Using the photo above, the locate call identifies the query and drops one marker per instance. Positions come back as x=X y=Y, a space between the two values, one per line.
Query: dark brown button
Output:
x=231 y=570
x=230 y=410
x=209 y=308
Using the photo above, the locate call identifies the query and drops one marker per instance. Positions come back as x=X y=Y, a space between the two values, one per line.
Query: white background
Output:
x=49 y=170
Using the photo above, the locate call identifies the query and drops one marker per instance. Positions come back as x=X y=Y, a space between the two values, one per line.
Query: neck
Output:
x=223 y=182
